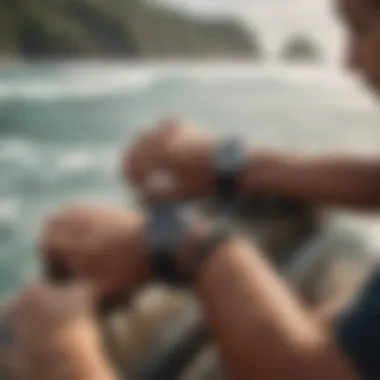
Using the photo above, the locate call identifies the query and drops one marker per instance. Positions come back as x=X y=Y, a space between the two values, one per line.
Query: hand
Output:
x=102 y=244
x=179 y=150
x=54 y=336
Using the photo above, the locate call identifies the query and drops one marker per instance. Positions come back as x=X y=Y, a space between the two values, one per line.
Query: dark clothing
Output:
x=358 y=330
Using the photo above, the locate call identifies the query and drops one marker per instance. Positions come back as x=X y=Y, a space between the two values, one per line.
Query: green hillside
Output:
x=44 y=29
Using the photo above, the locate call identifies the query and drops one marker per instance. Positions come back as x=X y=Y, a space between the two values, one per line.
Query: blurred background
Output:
x=80 y=78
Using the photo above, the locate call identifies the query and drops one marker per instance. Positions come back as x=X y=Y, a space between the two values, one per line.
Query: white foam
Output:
x=77 y=85
x=81 y=82
x=19 y=151
x=304 y=75
x=9 y=210
x=75 y=161
x=79 y=161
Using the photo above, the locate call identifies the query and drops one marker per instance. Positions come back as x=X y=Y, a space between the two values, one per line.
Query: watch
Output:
x=166 y=231
x=228 y=163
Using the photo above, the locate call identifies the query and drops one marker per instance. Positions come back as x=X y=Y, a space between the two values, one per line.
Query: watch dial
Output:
x=167 y=227
x=230 y=157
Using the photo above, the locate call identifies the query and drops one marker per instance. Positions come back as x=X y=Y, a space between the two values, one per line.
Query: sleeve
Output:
x=358 y=330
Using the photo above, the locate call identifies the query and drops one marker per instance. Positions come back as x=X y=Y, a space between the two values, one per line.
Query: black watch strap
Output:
x=165 y=267
x=166 y=232
x=204 y=249
x=229 y=162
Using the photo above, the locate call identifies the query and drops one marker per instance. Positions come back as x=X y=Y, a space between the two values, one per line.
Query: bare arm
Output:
x=338 y=181
x=261 y=329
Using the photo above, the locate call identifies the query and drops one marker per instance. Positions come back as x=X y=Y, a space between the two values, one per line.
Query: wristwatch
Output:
x=228 y=163
x=166 y=231
x=168 y=225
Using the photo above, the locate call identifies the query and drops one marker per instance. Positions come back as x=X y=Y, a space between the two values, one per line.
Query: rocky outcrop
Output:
x=116 y=29
x=301 y=48
x=164 y=33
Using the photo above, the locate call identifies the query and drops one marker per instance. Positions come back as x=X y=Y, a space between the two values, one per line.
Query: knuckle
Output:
x=169 y=125
x=34 y=292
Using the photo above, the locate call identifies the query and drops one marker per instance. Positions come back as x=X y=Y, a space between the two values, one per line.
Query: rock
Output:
x=301 y=48
x=117 y=29
x=175 y=34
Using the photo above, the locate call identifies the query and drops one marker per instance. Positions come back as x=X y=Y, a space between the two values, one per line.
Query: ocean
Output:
x=63 y=128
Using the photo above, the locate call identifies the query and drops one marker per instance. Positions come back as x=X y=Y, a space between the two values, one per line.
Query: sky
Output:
x=276 y=19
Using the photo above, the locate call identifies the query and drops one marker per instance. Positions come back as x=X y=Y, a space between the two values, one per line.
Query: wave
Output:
x=292 y=74
x=76 y=161
x=19 y=151
x=10 y=212
x=78 y=86
x=41 y=163
x=92 y=81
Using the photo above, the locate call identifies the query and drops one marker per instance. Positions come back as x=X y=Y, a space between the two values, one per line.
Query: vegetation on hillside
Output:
x=114 y=28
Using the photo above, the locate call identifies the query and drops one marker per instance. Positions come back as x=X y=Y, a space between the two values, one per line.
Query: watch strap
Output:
x=165 y=267
x=230 y=160
x=166 y=232
x=204 y=248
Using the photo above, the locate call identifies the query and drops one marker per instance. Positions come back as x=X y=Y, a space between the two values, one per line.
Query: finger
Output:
x=136 y=162
x=83 y=290
x=82 y=294
x=28 y=303
x=149 y=153
x=168 y=127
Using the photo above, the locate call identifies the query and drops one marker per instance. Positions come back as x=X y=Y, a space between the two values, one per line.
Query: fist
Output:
x=54 y=334
x=101 y=244
x=172 y=162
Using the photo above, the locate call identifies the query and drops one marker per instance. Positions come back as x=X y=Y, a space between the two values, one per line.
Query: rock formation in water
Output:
x=301 y=48
x=45 y=29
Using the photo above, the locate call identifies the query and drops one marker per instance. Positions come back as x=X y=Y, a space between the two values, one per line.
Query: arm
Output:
x=77 y=365
x=55 y=337
x=78 y=358
x=260 y=328
x=348 y=182
x=187 y=154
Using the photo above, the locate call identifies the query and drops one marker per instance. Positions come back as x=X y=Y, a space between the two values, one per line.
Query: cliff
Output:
x=301 y=48
x=115 y=29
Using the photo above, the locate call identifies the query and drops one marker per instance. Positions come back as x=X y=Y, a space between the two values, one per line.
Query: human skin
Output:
x=247 y=306
x=185 y=151
x=55 y=336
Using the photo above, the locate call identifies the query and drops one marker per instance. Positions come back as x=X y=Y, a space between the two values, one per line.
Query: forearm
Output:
x=79 y=360
x=347 y=182
x=259 y=327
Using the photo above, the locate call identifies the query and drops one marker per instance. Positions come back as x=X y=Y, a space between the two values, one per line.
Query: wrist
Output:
x=136 y=267
x=200 y=231
x=230 y=164
x=142 y=263
x=73 y=355
x=256 y=173
x=202 y=244
x=95 y=366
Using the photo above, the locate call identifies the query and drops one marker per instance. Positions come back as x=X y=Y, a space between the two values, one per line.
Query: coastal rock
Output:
x=301 y=48
x=167 y=33
x=118 y=29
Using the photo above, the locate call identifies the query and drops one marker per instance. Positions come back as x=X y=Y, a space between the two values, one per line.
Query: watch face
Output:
x=230 y=158
x=167 y=227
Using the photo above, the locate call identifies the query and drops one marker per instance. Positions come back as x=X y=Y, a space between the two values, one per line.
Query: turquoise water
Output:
x=63 y=128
